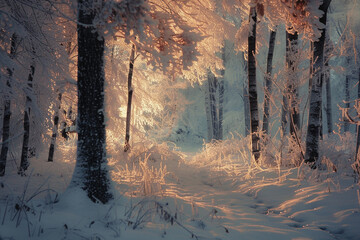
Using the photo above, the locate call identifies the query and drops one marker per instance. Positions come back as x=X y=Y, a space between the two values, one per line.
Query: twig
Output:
x=2 y=223
x=174 y=220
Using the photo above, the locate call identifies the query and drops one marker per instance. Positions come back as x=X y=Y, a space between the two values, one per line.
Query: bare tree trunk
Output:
x=347 y=96
x=208 y=112
x=313 y=131
x=246 y=110
x=55 y=131
x=293 y=83
x=57 y=118
x=212 y=97
x=328 y=99
x=221 y=96
x=311 y=68
x=130 y=93
x=246 y=98
x=254 y=114
x=24 y=163
x=268 y=82
x=91 y=171
x=212 y=113
x=7 y=111
x=284 y=112
x=327 y=79
x=321 y=125
x=221 y=108
x=357 y=160
x=290 y=110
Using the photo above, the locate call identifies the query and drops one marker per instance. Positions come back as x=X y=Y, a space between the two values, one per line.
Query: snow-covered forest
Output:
x=186 y=119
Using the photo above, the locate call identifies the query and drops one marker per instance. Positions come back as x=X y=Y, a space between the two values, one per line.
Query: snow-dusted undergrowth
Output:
x=216 y=193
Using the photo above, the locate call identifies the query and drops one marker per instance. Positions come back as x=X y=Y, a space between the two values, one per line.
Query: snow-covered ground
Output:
x=183 y=195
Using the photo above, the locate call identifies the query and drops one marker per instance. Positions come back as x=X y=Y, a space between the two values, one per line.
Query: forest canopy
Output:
x=105 y=88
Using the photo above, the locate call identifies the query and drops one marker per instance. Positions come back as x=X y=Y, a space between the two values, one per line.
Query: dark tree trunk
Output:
x=24 y=162
x=328 y=99
x=254 y=114
x=246 y=109
x=55 y=131
x=357 y=160
x=268 y=82
x=91 y=173
x=313 y=131
x=321 y=125
x=284 y=112
x=311 y=68
x=347 y=96
x=327 y=80
x=212 y=97
x=293 y=82
x=7 y=111
x=221 y=96
x=246 y=98
x=130 y=93
x=208 y=112
x=57 y=118
x=221 y=109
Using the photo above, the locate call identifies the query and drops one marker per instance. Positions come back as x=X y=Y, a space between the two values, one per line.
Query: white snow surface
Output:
x=182 y=195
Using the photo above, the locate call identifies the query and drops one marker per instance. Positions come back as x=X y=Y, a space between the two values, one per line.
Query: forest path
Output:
x=209 y=202
x=232 y=213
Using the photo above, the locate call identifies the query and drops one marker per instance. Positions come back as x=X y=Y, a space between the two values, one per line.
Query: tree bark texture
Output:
x=293 y=83
x=212 y=83
x=208 y=112
x=130 y=93
x=221 y=108
x=246 y=99
x=347 y=96
x=328 y=100
x=91 y=173
x=254 y=113
x=284 y=112
x=7 y=111
x=321 y=125
x=357 y=160
x=221 y=91
x=268 y=82
x=24 y=162
x=311 y=64
x=55 y=130
x=57 y=119
x=313 y=130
